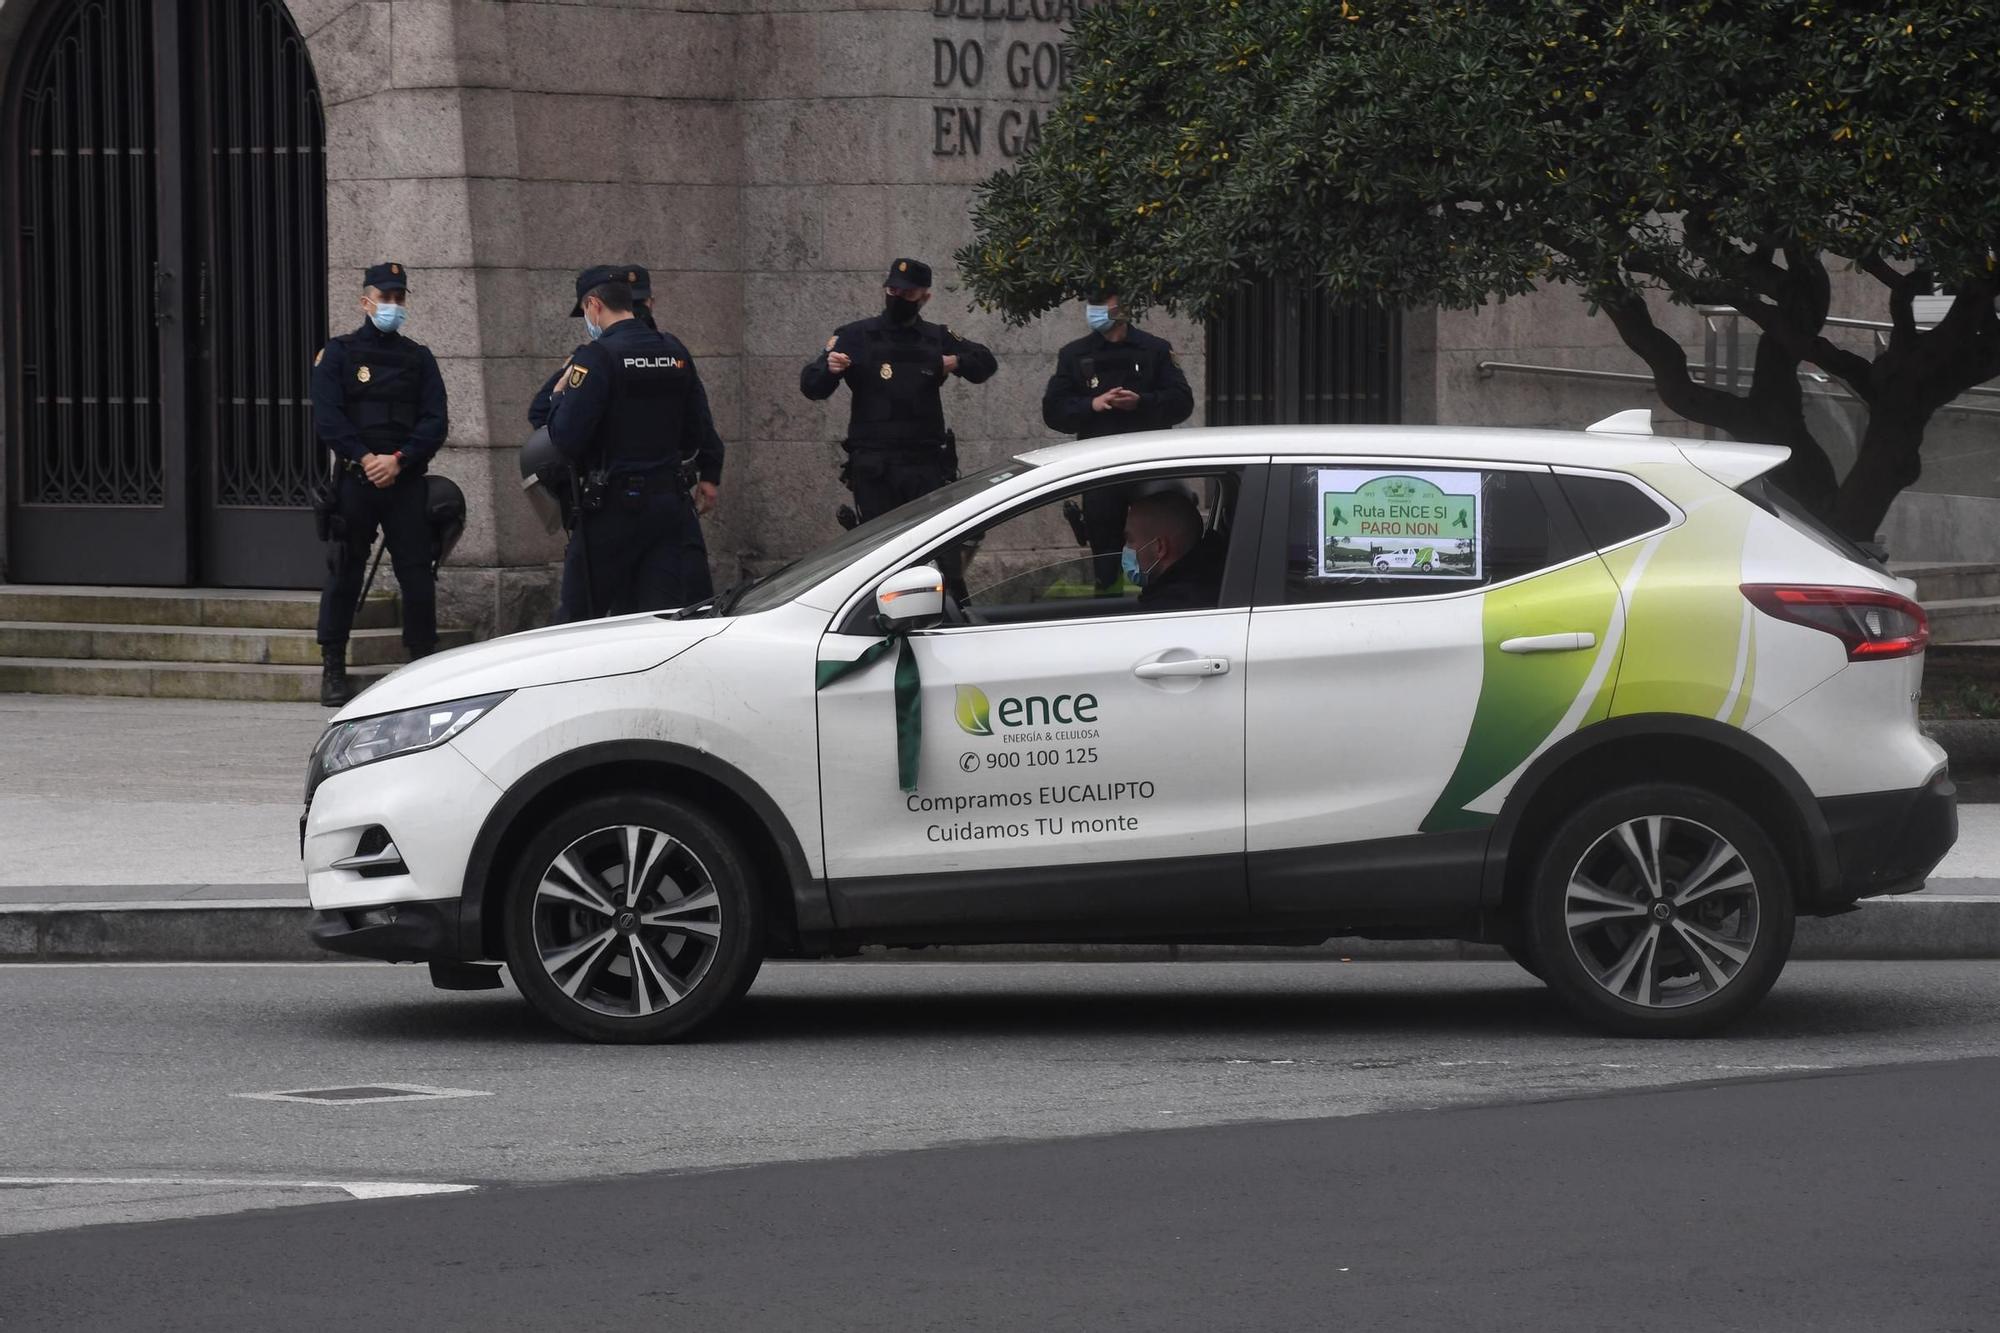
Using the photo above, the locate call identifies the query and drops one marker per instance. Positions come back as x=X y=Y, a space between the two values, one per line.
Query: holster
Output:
x=325 y=500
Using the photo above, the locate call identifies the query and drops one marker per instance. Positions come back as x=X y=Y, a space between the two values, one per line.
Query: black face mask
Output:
x=900 y=311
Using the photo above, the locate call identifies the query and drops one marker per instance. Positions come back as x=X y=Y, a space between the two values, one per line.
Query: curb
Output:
x=1920 y=927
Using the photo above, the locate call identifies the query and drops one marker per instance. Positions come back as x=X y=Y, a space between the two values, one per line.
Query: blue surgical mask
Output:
x=388 y=318
x=1099 y=317
x=591 y=329
x=1128 y=560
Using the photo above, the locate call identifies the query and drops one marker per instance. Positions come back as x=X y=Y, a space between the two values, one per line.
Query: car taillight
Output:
x=1871 y=624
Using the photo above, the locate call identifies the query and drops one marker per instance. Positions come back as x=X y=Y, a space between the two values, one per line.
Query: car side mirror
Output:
x=912 y=599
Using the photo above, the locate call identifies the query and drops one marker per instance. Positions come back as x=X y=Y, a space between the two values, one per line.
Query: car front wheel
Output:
x=1660 y=910
x=631 y=918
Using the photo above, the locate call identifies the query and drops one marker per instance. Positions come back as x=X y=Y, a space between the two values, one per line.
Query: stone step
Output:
x=1940 y=581
x=191 y=643
x=207 y=608
x=170 y=680
x=1964 y=619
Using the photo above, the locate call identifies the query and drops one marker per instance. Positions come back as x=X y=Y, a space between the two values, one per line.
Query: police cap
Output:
x=908 y=275
x=641 y=282
x=386 y=277
x=596 y=276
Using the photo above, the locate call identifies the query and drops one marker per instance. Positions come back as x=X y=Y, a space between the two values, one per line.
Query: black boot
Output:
x=335 y=689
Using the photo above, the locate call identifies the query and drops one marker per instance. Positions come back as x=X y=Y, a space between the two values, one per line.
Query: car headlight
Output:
x=366 y=739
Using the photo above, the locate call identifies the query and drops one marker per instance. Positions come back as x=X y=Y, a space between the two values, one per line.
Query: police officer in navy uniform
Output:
x=894 y=366
x=1113 y=380
x=705 y=456
x=379 y=405
x=626 y=412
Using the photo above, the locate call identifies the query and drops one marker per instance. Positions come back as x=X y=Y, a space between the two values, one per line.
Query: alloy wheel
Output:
x=1662 y=911
x=627 y=921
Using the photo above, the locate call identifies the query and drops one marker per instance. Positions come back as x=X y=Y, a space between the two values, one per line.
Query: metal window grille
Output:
x=88 y=384
x=1280 y=353
x=263 y=289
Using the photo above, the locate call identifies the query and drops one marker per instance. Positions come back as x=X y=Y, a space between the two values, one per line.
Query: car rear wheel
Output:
x=1660 y=910
x=631 y=918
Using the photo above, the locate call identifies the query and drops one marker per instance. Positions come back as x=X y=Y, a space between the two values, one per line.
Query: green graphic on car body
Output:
x=1673 y=636
x=972 y=712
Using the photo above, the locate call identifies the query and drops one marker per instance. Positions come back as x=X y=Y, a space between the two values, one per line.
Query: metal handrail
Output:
x=1486 y=371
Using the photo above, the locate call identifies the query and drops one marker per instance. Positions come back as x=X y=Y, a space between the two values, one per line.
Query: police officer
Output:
x=703 y=459
x=379 y=405
x=1113 y=380
x=894 y=366
x=626 y=411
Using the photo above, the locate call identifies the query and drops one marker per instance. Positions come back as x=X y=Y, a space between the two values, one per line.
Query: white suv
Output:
x=1637 y=715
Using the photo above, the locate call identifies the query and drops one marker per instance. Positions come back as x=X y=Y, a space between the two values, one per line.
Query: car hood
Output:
x=586 y=650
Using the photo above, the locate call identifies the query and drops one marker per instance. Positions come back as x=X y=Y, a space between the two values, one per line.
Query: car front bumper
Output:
x=1887 y=842
x=429 y=806
x=420 y=932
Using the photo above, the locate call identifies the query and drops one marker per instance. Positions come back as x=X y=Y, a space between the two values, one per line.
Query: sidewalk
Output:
x=167 y=829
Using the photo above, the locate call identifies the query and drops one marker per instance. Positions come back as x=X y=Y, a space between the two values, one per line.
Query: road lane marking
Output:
x=362 y=1094
x=359 y=1189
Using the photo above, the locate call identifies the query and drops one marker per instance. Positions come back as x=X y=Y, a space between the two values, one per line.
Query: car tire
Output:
x=1424 y=567
x=1521 y=953
x=1660 y=910
x=650 y=965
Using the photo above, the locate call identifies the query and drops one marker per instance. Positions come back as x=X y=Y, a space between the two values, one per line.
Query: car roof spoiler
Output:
x=1725 y=461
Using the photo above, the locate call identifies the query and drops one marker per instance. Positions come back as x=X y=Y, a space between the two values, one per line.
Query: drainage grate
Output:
x=362 y=1093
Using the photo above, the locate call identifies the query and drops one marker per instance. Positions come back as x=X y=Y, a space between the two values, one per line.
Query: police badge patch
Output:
x=576 y=374
x=362 y=373
x=1093 y=381
x=319 y=356
x=888 y=370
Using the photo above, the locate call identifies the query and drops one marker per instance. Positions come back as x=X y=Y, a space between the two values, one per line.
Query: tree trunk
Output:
x=1887 y=463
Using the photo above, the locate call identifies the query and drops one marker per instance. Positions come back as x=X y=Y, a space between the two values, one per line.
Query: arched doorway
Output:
x=165 y=269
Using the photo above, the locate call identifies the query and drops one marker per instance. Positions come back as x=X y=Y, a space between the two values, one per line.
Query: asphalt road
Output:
x=1861 y=1200
x=140 y=1071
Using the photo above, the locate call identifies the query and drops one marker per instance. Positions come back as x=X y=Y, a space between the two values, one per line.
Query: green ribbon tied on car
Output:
x=909 y=712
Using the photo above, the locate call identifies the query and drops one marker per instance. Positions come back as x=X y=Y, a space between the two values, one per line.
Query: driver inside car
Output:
x=1175 y=567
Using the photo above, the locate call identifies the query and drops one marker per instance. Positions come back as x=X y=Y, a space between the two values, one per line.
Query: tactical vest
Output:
x=642 y=426
x=895 y=382
x=385 y=385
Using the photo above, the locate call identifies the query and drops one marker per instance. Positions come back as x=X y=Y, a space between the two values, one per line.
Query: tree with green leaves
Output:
x=1428 y=154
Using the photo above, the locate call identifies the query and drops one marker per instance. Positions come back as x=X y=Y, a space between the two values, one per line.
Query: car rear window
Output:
x=1611 y=511
x=1767 y=496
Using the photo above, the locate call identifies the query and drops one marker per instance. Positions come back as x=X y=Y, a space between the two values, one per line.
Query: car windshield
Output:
x=788 y=581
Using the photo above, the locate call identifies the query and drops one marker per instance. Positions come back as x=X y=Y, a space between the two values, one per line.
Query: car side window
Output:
x=1060 y=559
x=1360 y=531
x=1611 y=510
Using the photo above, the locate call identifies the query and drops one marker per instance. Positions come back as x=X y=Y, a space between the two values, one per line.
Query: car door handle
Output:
x=1550 y=643
x=1187 y=666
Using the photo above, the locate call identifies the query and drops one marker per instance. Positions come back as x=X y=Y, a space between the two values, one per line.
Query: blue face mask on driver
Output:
x=1135 y=574
x=388 y=318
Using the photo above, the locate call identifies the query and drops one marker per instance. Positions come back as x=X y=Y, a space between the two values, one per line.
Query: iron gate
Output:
x=1281 y=354
x=164 y=268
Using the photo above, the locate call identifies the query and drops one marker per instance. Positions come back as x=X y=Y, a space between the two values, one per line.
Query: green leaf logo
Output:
x=972 y=712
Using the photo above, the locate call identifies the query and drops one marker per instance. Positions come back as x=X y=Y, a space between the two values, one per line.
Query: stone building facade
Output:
x=766 y=158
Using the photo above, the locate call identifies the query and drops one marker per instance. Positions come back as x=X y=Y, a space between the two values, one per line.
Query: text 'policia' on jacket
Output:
x=631 y=403
x=895 y=377
x=1093 y=364
x=378 y=393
